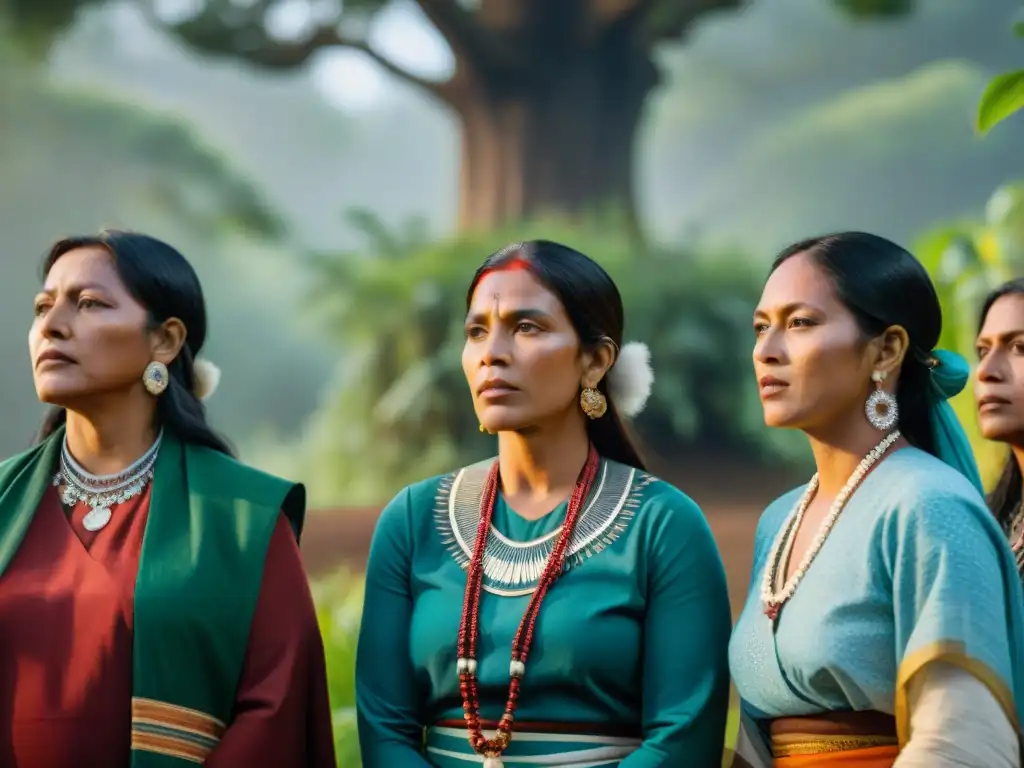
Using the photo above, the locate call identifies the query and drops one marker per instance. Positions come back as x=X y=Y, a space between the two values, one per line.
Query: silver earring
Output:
x=881 y=408
x=155 y=378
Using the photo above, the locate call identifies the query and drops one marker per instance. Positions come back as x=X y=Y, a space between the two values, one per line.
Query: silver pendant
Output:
x=68 y=496
x=96 y=518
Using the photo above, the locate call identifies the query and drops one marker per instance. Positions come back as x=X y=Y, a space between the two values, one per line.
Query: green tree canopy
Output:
x=1004 y=95
x=399 y=408
x=78 y=161
x=582 y=69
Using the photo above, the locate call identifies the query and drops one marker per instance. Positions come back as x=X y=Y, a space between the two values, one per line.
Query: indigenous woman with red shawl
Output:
x=154 y=608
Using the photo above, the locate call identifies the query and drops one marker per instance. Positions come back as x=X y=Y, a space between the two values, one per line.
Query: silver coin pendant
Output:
x=96 y=518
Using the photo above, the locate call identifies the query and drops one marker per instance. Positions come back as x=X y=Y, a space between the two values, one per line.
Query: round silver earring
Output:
x=881 y=408
x=155 y=378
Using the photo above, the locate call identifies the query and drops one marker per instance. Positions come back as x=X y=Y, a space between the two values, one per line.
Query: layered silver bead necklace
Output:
x=101 y=492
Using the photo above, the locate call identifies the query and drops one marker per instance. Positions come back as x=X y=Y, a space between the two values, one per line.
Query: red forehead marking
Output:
x=509 y=266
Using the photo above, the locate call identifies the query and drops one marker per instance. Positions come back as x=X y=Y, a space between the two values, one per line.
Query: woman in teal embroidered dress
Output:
x=613 y=574
x=999 y=393
x=884 y=625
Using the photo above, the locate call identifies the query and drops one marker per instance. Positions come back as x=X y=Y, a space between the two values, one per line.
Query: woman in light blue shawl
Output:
x=884 y=625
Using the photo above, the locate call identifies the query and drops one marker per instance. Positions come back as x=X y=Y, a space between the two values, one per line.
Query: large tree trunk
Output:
x=549 y=93
x=561 y=142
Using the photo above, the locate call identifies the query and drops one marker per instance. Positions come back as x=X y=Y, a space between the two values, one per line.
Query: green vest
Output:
x=209 y=526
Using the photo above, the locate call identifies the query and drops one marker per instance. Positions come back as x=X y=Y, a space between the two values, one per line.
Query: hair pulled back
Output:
x=881 y=284
x=164 y=283
x=594 y=306
x=1005 y=498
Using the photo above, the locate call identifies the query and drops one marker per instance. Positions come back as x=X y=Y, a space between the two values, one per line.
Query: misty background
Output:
x=775 y=122
x=335 y=188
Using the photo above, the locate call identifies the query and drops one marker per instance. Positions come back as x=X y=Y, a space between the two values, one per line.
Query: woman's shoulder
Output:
x=419 y=501
x=671 y=527
x=621 y=485
x=922 y=495
x=655 y=493
x=226 y=480
x=919 y=470
x=905 y=483
x=422 y=495
x=775 y=514
x=928 y=511
x=913 y=480
x=220 y=472
x=660 y=504
x=14 y=464
x=412 y=514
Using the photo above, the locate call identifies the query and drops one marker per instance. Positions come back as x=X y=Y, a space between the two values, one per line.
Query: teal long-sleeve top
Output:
x=632 y=637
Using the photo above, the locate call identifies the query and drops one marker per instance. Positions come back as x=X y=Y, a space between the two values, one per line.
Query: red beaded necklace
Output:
x=469 y=629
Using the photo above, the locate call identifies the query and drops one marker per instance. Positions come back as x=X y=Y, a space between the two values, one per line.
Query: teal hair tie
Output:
x=950 y=373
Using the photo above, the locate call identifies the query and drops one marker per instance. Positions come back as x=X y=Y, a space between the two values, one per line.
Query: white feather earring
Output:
x=631 y=378
x=207 y=378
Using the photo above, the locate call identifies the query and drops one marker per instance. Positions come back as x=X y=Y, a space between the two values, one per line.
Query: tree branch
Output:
x=609 y=12
x=468 y=38
x=248 y=40
x=670 y=19
x=658 y=20
x=437 y=88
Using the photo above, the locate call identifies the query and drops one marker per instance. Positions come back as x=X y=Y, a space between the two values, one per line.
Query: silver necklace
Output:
x=101 y=492
x=512 y=568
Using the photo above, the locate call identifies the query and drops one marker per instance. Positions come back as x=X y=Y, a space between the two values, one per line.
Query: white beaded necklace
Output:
x=773 y=601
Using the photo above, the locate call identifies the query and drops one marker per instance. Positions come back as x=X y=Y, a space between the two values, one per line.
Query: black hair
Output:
x=1005 y=498
x=594 y=306
x=164 y=283
x=883 y=285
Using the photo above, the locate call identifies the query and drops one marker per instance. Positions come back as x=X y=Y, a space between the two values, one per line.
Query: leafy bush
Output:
x=1004 y=95
x=339 y=601
x=399 y=409
x=967 y=260
x=76 y=160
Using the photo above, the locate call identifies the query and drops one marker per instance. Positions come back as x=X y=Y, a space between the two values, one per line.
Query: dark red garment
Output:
x=66 y=651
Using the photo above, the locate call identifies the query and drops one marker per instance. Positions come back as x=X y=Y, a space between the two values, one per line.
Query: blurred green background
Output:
x=336 y=173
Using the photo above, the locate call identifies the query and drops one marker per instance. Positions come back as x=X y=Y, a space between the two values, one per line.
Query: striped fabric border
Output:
x=449 y=748
x=167 y=729
x=793 y=745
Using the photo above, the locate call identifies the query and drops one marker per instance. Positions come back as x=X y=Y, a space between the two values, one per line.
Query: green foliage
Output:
x=875 y=8
x=732 y=727
x=817 y=169
x=400 y=410
x=75 y=161
x=1004 y=215
x=1003 y=97
x=240 y=29
x=39 y=23
x=967 y=260
x=339 y=602
x=174 y=169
